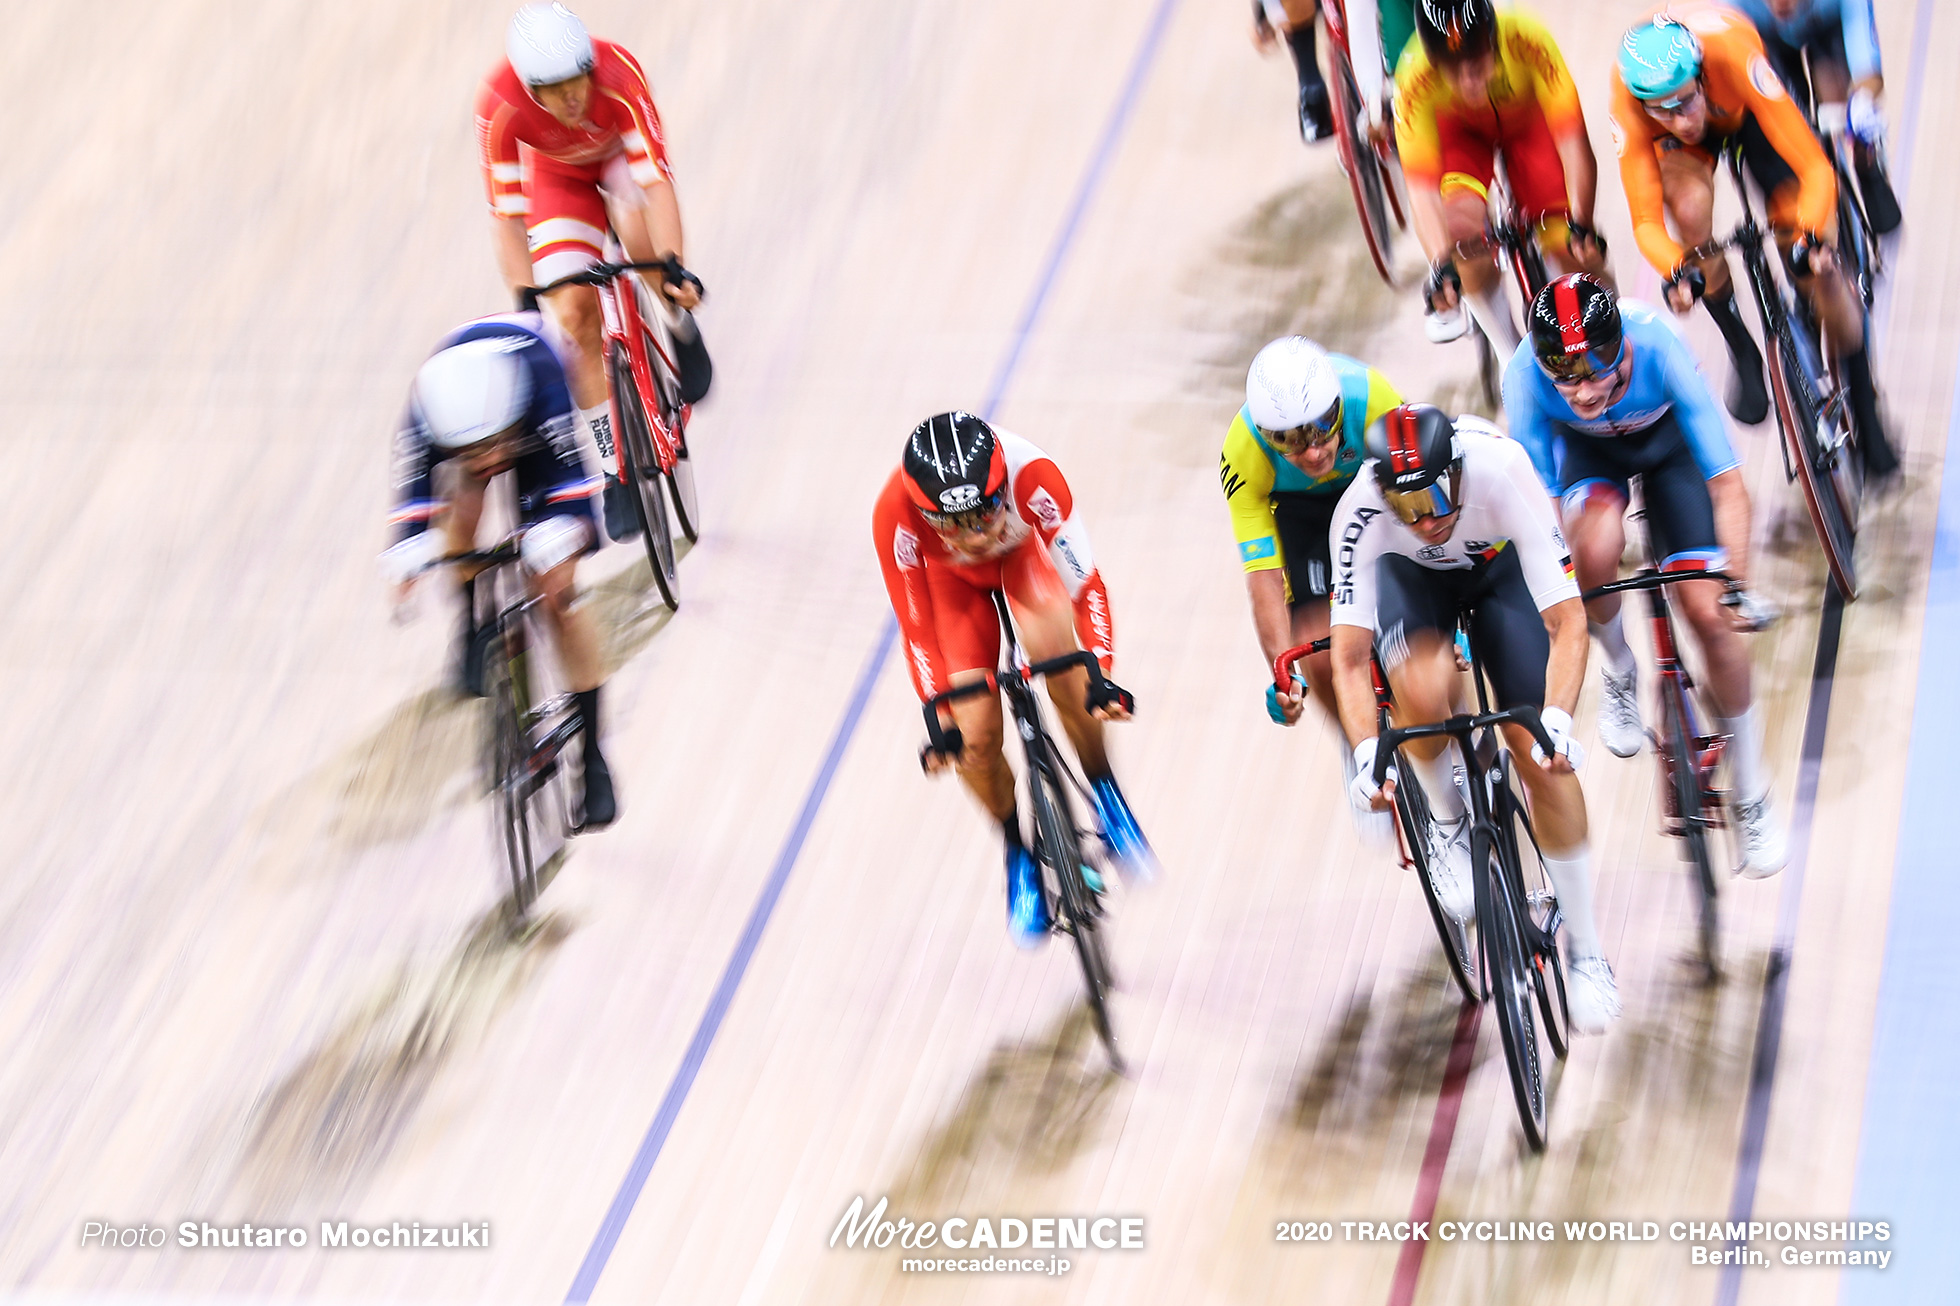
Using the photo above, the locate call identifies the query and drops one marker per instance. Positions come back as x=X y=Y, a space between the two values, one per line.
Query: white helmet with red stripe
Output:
x=1292 y=384
x=547 y=43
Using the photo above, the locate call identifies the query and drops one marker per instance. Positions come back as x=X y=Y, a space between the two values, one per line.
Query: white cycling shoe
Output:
x=1765 y=850
x=1446 y=324
x=1619 y=713
x=1449 y=867
x=1592 y=997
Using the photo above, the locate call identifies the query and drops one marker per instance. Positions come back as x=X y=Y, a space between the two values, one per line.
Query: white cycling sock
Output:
x=1493 y=312
x=1571 y=877
x=598 y=419
x=1612 y=637
x=1437 y=775
x=1746 y=769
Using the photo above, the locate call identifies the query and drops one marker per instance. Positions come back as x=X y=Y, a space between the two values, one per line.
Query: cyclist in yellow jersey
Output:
x=1288 y=456
x=1477 y=82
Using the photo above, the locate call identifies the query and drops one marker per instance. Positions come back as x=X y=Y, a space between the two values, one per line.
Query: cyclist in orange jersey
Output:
x=1691 y=79
x=1478 y=82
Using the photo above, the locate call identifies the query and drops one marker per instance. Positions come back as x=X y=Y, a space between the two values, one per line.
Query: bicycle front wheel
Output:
x=1412 y=814
x=1818 y=453
x=1510 y=983
x=1540 y=918
x=1058 y=846
x=1690 y=803
x=509 y=750
x=642 y=471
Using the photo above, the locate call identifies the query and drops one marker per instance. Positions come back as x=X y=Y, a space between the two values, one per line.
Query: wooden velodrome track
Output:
x=243 y=943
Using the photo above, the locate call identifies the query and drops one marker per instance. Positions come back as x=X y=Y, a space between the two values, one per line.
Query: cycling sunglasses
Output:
x=1677 y=104
x=1577 y=369
x=1437 y=499
x=972 y=519
x=1299 y=439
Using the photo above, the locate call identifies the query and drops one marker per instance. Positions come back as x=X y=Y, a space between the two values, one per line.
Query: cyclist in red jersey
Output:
x=970 y=511
x=571 y=143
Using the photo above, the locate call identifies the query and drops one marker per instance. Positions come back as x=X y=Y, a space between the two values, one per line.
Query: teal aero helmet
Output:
x=1659 y=57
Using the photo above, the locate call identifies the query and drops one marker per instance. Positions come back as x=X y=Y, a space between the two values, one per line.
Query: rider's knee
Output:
x=551 y=549
x=576 y=310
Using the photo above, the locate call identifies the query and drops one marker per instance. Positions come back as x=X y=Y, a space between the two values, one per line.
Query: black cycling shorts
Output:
x=1770 y=169
x=1303 y=522
x=1680 y=515
x=1507 y=634
x=1825 y=47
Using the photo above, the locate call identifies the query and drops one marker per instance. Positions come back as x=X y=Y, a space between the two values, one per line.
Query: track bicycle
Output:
x=1412 y=827
x=1693 y=808
x=649 y=414
x=1813 y=408
x=1512 y=241
x=1517 y=912
x=1373 y=171
x=533 y=721
x=1072 y=886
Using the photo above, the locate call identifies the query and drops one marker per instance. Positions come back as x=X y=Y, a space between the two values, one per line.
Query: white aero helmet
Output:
x=1292 y=384
x=469 y=392
x=547 y=43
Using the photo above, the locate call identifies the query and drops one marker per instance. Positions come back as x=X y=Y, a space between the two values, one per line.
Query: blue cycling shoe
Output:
x=1126 y=842
x=1027 y=906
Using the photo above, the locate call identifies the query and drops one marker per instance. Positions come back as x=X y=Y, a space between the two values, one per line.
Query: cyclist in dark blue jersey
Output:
x=1830 y=48
x=493 y=399
x=1603 y=391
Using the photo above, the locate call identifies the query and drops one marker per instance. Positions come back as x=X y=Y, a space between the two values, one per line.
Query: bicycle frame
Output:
x=1677 y=680
x=626 y=324
x=1283 y=681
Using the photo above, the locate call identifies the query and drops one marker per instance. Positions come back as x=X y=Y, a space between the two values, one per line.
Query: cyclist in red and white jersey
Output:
x=571 y=143
x=971 y=511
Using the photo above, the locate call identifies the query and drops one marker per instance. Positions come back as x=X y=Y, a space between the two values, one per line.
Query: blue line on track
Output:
x=1911 y=1144
x=603 y=1242
x=1776 y=979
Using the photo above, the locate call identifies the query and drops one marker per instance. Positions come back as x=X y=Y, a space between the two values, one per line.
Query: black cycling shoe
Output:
x=1881 y=205
x=622 y=521
x=600 y=807
x=1316 y=114
x=1747 y=397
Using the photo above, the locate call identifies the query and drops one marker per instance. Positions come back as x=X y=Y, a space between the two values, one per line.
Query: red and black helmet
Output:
x=954 y=466
x=1576 y=332
x=1454 y=31
x=1416 y=460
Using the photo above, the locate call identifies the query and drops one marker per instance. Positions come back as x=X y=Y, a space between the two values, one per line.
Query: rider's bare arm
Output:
x=1354 y=683
x=1270 y=616
x=1730 y=498
x=513 y=251
x=1565 y=671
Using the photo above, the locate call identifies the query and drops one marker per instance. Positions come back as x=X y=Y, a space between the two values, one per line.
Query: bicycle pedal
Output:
x=1093 y=878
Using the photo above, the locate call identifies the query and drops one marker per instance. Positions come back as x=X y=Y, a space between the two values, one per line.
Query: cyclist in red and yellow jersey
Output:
x=1478 y=82
x=1690 y=80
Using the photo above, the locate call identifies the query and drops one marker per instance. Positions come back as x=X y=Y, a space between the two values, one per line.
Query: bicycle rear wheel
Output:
x=1510 y=983
x=1684 y=784
x=642 y=474
x=1361 y=164
x=1817 y=452
x=1412 y=812
x=1058 y=846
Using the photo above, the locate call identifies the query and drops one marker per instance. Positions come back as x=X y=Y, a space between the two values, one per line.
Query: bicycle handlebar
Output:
x=598 y=274
x=1283 y=664
x=1650 y=579
x=936 y=733
x=1459 y=728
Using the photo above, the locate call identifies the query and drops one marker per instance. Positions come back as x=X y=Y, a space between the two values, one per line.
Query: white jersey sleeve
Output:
x=1354 y=542
x=1522 y=506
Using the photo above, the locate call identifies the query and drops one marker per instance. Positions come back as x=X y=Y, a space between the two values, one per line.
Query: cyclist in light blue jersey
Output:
x=1844 y=77
x=1603 y=391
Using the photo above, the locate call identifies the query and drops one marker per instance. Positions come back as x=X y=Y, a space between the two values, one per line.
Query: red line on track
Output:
x=1442 y=1131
